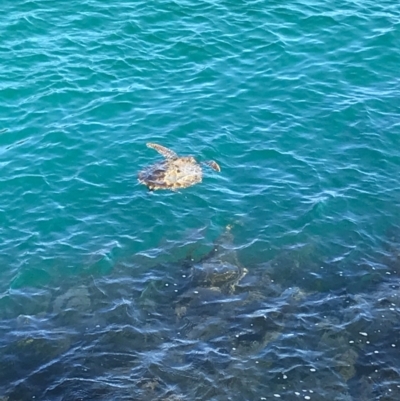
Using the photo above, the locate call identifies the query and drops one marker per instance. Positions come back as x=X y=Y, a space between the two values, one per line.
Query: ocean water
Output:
x=277 y=278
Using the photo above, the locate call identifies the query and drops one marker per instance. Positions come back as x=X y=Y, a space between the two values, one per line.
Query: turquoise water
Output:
x=299 y=104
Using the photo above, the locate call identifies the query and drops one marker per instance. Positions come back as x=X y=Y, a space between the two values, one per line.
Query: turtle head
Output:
x=214 y=165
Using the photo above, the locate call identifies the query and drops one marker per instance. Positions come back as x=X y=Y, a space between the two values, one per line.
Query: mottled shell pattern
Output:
x=173 y=172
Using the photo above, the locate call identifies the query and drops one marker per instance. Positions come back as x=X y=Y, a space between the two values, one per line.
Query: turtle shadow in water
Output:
x=174 y=172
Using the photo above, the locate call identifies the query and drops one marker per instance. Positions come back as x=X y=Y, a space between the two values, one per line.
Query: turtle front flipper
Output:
x=214 y=165
x=167 y=153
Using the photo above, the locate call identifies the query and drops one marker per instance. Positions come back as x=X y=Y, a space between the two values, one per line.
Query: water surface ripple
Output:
x=102 y=288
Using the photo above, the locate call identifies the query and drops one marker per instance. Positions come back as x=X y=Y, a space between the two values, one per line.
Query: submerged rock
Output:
x=77 y=299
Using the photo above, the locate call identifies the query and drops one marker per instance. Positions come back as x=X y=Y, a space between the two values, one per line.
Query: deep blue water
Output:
x=277 y=277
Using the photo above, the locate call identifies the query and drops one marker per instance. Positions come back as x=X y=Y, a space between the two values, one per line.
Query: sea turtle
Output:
x=174 y=172
x=220 y=268
x=214 y=277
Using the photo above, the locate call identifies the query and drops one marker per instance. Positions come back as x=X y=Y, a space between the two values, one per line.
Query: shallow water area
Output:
x=173 y=334
x=275 y=278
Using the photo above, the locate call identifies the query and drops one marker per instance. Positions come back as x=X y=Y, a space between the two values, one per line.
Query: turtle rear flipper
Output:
x=214 y=165
x=167 y=153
